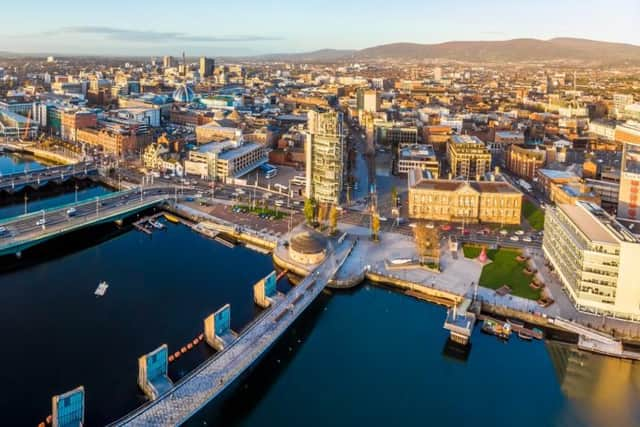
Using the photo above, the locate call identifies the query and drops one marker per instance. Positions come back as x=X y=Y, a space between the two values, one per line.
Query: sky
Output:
x=250 y=27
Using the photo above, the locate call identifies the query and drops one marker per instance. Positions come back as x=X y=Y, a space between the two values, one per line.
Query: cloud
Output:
x=120 y=34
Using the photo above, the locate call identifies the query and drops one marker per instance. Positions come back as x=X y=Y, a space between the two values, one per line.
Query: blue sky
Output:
x=245 y=27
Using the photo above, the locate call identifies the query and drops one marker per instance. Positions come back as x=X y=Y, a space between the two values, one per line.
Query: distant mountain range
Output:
x=517 y=50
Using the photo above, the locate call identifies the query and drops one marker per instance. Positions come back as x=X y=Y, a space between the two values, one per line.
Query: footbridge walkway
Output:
x=208 y=381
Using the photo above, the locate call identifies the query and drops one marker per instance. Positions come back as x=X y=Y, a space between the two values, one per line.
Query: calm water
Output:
x=14 y=164
x=368 y=357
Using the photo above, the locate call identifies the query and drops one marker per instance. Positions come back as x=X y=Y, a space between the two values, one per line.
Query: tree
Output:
x=333 y=218
x=309 y=210
x=375 y=225
x=394 y=196
x=322 y=212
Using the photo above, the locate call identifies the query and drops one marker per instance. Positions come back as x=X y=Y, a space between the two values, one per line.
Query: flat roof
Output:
x=588 y=224
x=555 y=174
x=479 y=186
x=237 y=152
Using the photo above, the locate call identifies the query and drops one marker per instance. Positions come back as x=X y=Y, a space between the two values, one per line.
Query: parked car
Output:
x=527 y=239
x=41 y=222
x=514 y=238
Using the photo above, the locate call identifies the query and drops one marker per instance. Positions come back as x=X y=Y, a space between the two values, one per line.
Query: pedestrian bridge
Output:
x=214 y=376
x=24 y=231
x=15 y=182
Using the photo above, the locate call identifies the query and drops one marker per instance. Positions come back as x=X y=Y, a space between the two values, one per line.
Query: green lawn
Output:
x=533 y=214
x=504 y=270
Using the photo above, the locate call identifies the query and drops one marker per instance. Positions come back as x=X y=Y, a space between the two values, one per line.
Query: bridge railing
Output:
x=37 y=213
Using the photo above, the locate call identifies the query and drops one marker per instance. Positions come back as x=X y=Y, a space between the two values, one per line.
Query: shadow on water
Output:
x=69 y=244
x=252 y=386
x=47 y=191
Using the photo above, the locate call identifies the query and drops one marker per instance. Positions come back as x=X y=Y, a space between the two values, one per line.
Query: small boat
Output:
x=156 y=224
x=524 y=335
x=171 y=218
x=401 y=261
x=101 y=289
x=499 y=329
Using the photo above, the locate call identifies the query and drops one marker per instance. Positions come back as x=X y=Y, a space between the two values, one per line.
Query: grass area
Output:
x=533 y=214
x=259 y=211
x=504 y=270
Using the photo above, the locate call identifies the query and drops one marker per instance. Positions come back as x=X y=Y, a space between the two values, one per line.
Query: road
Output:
x=23 y=230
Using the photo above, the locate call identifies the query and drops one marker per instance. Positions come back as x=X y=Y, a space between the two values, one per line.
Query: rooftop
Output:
x=478 y=186
x=596 y=224
x=556 y=174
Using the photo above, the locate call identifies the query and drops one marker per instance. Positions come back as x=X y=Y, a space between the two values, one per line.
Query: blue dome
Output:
x=184 y=94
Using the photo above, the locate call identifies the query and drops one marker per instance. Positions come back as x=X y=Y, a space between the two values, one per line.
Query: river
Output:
x=369 y=357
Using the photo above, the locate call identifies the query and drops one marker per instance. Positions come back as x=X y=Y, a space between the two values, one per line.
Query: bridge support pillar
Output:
x=265 y=290
x=153 y=377
x=68 y=408
x=217 y=328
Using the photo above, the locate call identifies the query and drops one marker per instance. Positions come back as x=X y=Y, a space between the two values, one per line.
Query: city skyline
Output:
x=205 y=29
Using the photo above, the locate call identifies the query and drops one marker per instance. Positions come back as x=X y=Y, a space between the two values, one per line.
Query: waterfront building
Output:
x=325 y=155
x=463 y=201
x=629 y=135
x=596 y=259
x=207 y=67
x=222 y=160
x=468 y=157
x=73 y=120
x=116 y=136
x=308 y=247
x=525 y=160
x=419 y=156
x=15 y=125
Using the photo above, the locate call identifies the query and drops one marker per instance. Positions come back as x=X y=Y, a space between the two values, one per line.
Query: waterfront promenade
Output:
x=213 y=377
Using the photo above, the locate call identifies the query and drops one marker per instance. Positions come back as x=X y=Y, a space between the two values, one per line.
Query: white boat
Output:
x=400 y=261
x=101 y=289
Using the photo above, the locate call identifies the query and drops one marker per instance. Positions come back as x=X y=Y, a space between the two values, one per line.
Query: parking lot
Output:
x=276 y=227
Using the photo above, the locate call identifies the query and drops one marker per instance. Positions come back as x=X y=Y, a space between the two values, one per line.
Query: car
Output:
x=383 y=218
x=413 y=225
x=519 y=232
x=71 y=212
x=504 y=232
x=446 y=227
x=514 y=238
x=430 y=225
x=527 y=239
x=41 y=222
x=3 y=230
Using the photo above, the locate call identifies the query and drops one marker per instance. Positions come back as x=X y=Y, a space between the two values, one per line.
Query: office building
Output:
x=325 y=155
x=596 y=259
x=420 y=156
x=620 y=102
x=525 y=160
x=468 y=157
x=463 y=201
x=368 y=100
x=222 y=160
x=207 y=67
x=629 y=135
x=168 y=62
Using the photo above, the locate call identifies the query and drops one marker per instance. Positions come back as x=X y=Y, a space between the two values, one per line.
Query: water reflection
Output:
x=604 y=390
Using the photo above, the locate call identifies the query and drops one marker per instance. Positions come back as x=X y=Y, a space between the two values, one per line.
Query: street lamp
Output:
x=25 y=202
x=76 y=192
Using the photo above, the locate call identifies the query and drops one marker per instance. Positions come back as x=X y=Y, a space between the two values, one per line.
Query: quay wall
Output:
x=427 y=293
x=224 y=228
x=43 y=154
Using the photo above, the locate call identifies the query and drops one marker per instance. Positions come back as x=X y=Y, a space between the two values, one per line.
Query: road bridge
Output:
x=24 y=231
x=37 y=178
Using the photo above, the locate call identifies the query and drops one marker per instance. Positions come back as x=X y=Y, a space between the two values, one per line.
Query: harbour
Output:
x=143 y=277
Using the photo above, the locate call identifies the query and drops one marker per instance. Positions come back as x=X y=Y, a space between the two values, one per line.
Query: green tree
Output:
x=394 y=196
x=333 y=218
x=309 y=210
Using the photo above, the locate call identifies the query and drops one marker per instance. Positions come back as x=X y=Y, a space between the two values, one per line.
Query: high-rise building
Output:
x=437 y=74
x=207 y=66
x=620 y=102
x=596 y=259
x=628 y=204
x=168 y=62
x=367 y=100
x=468 y=156
x=325 y=155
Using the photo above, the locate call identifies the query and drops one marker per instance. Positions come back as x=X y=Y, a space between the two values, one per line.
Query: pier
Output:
x=25 y=231
x=213 y=377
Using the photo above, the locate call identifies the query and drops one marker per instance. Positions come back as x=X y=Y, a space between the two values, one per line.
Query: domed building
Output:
x=308 y=247
x=184 y=94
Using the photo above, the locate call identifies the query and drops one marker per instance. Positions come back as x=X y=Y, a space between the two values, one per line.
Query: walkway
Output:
x=208 y=381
